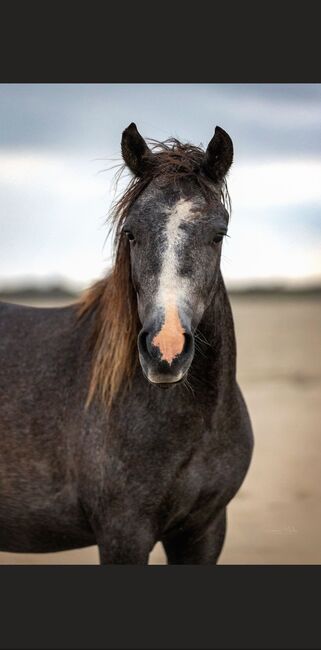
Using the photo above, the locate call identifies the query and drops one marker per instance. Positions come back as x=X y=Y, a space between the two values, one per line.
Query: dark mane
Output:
x=113 y=299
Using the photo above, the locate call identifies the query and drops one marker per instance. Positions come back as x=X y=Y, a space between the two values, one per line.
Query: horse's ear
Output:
x=135 y=151
x=218 y=156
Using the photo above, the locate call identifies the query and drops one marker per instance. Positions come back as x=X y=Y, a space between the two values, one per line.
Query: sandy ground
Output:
x=276 y=516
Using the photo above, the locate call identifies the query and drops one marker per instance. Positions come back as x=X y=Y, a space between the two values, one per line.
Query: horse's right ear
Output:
x=218 y=155
x=135 y=151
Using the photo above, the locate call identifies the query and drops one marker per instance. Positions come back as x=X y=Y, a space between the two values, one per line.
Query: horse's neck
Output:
x=216 y=338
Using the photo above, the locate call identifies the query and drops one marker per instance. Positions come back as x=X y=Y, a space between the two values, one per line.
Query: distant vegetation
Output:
x=262 y=291
x=57 y=292
x=60 y=292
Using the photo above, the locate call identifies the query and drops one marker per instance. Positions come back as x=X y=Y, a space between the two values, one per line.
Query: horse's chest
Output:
x=202 y=485
x=185 y=491
x=165 y=474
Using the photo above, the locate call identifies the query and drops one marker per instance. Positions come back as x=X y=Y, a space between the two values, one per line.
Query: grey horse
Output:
x=121 y=421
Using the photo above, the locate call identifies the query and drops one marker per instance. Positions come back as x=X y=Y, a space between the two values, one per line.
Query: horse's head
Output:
x=175 y=229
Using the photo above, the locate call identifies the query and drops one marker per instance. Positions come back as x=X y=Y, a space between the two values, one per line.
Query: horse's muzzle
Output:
x=167 y=364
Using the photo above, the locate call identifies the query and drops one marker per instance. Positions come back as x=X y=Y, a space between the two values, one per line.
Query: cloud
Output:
x=53 y=201
x=53 y=212
x=264 y=119
x=276 y=183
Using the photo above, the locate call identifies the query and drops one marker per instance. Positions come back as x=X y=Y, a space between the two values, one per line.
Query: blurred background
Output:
x=59 y=145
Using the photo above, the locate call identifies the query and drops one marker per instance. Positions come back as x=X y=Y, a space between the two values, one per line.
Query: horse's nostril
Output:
x=188 y=344
x=143 y=341
x=145 y=344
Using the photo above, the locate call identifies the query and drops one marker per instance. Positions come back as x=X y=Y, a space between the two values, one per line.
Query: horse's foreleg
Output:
x=124 y=546
x=118 y=554
x=197 y=547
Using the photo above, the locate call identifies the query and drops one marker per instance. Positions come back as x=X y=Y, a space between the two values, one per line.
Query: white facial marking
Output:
x=170 y=339
x=171 y=286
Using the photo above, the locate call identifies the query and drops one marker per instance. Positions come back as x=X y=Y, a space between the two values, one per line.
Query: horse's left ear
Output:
x=135 y=152
x=218 y=156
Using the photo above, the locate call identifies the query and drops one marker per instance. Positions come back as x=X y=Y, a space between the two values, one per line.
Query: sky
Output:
x=58 y=143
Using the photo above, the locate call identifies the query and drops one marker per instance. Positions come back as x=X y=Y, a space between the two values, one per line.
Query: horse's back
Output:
x=30 y=335
x=41 y=361
x=24 y=322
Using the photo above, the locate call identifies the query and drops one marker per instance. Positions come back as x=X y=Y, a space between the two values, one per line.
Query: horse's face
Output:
x=175 y=237
x=175 y=249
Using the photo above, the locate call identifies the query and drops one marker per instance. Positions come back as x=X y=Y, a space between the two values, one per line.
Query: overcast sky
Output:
x=56 y=140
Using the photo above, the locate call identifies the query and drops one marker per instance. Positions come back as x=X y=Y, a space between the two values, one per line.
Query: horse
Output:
x=121 y=420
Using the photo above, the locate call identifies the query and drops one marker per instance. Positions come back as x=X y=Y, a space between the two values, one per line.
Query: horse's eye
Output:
x=129 y=235
x=217 y=239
